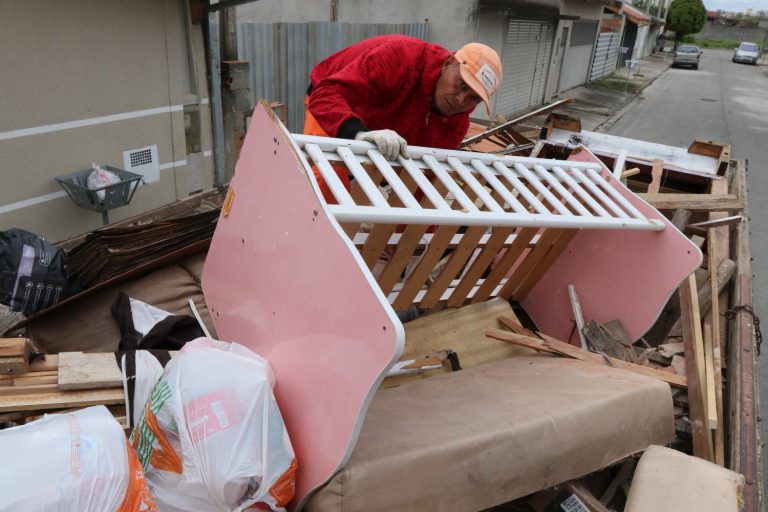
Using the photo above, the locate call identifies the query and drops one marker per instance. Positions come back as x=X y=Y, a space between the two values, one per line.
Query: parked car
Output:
x=687 y=55
x=746 y=52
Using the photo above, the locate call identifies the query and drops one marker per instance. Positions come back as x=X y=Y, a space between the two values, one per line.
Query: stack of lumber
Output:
x=59 y=382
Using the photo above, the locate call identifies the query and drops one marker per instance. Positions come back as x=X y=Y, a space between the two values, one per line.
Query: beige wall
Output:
x=452 y=23
x=78 y=62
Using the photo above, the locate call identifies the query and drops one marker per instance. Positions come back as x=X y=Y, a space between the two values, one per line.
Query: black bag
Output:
x=32 y=273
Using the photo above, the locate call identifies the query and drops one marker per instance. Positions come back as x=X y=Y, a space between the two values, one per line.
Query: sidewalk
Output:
x=599 y=102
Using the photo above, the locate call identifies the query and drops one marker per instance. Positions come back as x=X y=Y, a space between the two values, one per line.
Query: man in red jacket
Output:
x=397 y=90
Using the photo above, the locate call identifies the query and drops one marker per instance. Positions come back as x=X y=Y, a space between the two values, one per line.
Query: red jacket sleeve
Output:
x=342 y=87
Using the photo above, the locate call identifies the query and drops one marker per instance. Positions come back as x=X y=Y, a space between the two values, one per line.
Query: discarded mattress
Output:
x=482 y=436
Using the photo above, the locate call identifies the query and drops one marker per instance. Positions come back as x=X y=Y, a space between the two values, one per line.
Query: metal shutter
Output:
x=606 y=54
x=525 y=64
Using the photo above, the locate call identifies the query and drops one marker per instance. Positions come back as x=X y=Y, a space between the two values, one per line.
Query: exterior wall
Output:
x=106 y=77
x=451 y=22
x=574 y=69
x=712 y=32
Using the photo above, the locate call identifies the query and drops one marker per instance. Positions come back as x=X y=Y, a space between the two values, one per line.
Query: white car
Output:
x=746 y=52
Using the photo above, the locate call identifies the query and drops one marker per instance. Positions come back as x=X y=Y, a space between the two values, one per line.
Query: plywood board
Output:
x=78 y=370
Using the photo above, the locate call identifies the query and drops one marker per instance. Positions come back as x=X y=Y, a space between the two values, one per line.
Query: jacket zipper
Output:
x=426 y=118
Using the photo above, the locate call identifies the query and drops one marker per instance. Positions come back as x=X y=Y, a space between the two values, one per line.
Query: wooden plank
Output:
x=569 y=350
x=28 y=389
x=479 y=265
x=725 y=272
x=461 y=330
x=718 y=245
x=577 y=489
x=542 y=263
x=435 y=250
x=657 y=167
x=407 y=245
x=376 y=242
x=78 y=370
x=456 y=261
x=709 y=375
x=61 y=399
x=694 y=202
x=695 y=370
x=13 y=365
x=51 y=362
x=13 y=347
x=513 y=252
x=577 y=315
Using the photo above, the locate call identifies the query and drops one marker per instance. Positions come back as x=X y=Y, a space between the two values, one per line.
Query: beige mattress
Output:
x=667 y=480
x=485 y=435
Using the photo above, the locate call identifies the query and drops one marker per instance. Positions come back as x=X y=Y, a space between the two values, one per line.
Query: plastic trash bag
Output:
x=211 y=436
x=71 y=462
x=100 y=178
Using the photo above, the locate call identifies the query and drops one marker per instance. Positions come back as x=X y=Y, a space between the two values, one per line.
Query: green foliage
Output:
x=720 y=43
x=686 y=17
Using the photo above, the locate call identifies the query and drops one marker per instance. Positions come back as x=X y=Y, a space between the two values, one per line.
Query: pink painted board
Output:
x=618 y=274
x=282 y=279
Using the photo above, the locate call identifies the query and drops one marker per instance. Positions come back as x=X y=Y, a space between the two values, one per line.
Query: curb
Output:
x=626 y=104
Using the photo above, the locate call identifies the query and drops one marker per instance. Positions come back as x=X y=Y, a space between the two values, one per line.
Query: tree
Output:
x=686 y=17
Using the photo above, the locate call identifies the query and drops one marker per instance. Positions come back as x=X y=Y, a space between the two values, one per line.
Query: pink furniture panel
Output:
x=283 y=280
x=624 y=275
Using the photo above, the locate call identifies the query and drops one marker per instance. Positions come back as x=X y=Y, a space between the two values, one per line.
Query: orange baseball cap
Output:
x=480 y=68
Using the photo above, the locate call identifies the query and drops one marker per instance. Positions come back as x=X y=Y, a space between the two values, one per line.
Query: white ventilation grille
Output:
x=143 y=161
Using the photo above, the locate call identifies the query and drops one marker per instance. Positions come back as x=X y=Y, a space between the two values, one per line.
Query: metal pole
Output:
x=214 y=84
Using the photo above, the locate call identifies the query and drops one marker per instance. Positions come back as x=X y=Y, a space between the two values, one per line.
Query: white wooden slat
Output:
x=475 y=185
x=424 y=184
x=549 y=196
x=398 y=187
x=541 y=192
x=361 y=175
x=436 y=167
x=498 y=186
x=329 y=175
x=358 y=147
x=391 y=215
x=602 y=197
x=579 y=190
x=555 y=183
x=614 y=194
x=521 y=189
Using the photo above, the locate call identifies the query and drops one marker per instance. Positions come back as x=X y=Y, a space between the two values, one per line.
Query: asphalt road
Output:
x=726 y=102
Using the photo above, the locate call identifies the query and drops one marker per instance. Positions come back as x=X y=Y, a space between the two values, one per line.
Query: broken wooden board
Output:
x=78 y=370
x=694 y=202
x=549 y=344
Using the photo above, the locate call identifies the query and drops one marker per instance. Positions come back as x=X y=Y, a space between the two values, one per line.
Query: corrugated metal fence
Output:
x=281 y=55
x=606 y=55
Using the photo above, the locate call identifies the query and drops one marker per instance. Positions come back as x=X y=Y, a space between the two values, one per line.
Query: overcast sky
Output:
x=736 y=5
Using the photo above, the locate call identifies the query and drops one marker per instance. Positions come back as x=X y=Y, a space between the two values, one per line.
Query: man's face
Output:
x=452 y=95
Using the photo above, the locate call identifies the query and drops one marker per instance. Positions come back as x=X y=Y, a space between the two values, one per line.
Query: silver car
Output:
x=746 y=52
x=687 y=55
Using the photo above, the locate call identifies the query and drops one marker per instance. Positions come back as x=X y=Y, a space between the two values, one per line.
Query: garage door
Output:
x=525 y=64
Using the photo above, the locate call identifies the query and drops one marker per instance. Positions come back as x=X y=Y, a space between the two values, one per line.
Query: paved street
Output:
x=726 y=102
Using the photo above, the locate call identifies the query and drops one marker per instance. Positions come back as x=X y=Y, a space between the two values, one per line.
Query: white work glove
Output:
x=388 y=142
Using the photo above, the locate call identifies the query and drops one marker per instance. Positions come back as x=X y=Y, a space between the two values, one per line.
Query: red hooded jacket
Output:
x=385 y=82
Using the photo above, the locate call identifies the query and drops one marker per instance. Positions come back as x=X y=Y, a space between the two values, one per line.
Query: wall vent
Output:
x=143 y=161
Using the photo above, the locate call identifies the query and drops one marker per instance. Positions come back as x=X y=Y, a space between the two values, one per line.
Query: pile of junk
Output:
x=547 y=319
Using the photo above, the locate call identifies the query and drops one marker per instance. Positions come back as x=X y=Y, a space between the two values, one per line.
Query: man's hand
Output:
x=388 y=142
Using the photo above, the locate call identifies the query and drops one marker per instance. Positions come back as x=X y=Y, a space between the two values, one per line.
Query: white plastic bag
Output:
x=71 y=462
x=211 y=436
x=101 y=178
